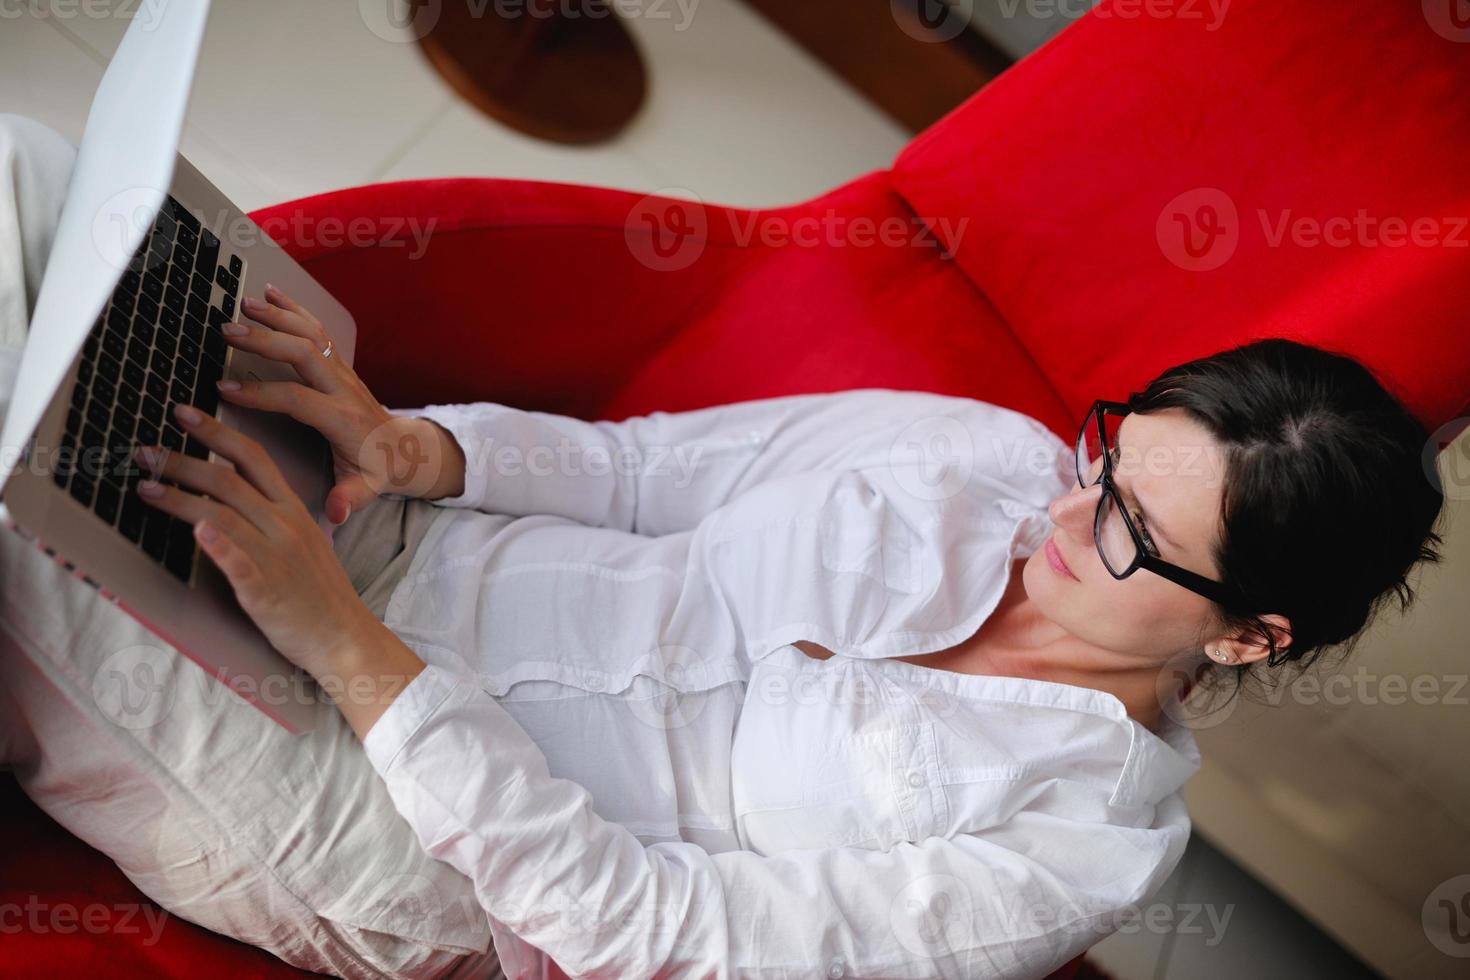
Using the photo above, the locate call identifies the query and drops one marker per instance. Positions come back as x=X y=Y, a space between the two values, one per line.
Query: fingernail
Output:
x=228 y=385
x=188 y=414
x=234 y=329
x=269 y=288
x=150 y=488
x=205 y=531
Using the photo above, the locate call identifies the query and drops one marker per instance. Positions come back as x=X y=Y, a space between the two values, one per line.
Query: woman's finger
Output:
x=193 y=508
x=306 y=405
x=274 y=296
x=233 y=559
x=291 y=319
x=216 y=480
x=302 y=354
x=350 y=494
x=249 y=457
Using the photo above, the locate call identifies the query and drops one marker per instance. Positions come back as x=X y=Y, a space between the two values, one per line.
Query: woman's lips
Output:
x=1054 y=559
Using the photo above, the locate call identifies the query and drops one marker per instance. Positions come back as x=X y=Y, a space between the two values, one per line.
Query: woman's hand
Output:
x=282 y=567
x=373 y=451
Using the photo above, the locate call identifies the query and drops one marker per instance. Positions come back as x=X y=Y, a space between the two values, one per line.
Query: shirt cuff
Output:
x=415 y=704
x=476 y=478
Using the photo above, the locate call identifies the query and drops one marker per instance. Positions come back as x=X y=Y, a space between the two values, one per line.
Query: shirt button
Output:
x=836 y=970
x=916 y=778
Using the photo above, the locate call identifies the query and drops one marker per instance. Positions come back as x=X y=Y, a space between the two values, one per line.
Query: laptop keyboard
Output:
x=156 y=344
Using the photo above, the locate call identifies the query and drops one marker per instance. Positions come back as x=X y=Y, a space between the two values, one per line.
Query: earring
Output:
x=1219 y=656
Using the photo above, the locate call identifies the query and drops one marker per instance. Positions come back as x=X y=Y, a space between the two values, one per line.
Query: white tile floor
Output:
x=294 y=98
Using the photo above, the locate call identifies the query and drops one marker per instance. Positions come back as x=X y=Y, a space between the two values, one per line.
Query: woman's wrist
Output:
x=365 y=672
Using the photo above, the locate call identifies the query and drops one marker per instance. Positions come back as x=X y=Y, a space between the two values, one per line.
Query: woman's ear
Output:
x=1250 y=647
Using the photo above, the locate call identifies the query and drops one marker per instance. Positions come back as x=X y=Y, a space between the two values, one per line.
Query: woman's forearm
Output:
x=365 y=672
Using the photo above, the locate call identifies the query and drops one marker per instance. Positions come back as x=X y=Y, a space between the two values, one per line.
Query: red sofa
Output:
x=1142 y=190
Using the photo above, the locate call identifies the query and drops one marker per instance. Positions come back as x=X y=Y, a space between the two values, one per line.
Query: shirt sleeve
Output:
x=663 y=472
x=1016 y=902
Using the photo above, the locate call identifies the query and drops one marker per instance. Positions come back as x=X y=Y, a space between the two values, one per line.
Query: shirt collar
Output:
x=1157 y=764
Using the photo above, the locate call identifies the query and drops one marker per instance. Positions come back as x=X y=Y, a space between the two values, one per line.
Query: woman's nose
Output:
x=1074 y=512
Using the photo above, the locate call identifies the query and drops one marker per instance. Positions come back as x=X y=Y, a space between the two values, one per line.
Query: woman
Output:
x=884 y=683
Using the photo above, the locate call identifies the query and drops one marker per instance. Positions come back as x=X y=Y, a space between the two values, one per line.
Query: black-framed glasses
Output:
x=1123 y=543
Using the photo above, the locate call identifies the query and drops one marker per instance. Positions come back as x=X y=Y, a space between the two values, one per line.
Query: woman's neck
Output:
x=1018 y=641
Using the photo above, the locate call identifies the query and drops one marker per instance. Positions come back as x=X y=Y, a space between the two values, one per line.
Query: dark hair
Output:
x=1326 y=504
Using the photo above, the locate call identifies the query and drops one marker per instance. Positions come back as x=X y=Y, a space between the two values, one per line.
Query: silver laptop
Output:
x=149 y=259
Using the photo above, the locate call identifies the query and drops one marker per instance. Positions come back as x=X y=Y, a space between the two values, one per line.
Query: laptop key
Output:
x=180 y=555
x=237 y=266
x=131 y=517
x=198 y=308
x=193 y=447
x=155 y=533
x=81 y=489
x=183 y=258
x=147 y=433
x=108 y=500
x=188 y=354
x=174 y=298
x=228 y=305
x=179 y=278
x=172 y=438
x=147 y=309
x=98 y=414
x=208 y=255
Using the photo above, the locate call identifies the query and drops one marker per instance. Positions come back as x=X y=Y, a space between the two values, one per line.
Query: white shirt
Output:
x=617 y=743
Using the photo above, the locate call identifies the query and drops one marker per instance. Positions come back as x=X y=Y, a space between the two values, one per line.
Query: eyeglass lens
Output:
x=1116 y=544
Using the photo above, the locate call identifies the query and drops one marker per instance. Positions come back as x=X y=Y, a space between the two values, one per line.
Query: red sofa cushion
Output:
x=1076 y=167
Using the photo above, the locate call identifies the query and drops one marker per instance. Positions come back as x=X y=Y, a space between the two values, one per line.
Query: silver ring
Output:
x=327 y=351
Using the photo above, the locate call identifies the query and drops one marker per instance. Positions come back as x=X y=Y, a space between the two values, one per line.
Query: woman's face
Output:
x=1170 y=468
